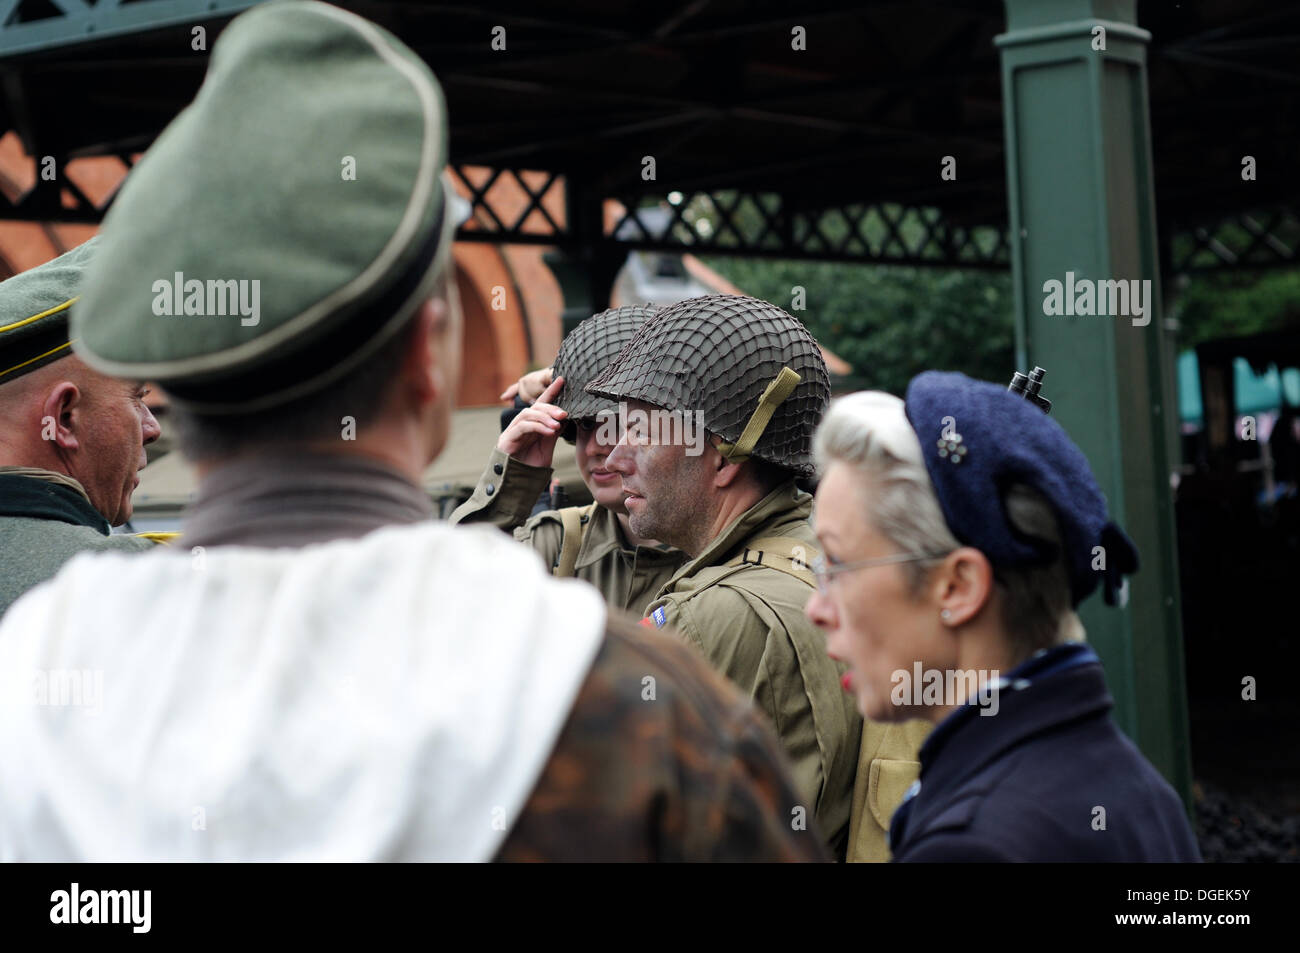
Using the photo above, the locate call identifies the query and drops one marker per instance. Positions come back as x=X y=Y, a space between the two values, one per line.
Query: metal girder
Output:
x=25 y=27
x=1261 y=238
x=759 y=224
x=730 y=221
x=510 y=206
x=763 y=224
x=59 y=199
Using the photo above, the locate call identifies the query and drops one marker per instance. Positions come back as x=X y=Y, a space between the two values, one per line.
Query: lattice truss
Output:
x=530 y=207
x=80 y=190
x=1264 y=238
x=733 y=221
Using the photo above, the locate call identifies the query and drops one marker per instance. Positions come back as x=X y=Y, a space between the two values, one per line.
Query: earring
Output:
x=945 y=615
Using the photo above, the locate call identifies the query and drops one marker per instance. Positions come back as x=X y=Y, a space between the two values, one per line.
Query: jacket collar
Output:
x=606 y=536
x=1053 y=688
x=291 y=498
x=32 y=496
x=787 y=505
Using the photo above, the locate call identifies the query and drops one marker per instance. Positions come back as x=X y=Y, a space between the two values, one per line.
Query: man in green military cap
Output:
x=594 y=543
x=328 y=673
x=755 y=379
x=71 y=438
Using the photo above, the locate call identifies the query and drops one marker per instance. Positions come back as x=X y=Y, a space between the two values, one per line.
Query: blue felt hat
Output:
x=977 y=440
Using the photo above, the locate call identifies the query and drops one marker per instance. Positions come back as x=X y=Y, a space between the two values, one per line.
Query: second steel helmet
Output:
x=590 y=348
x=753 y=373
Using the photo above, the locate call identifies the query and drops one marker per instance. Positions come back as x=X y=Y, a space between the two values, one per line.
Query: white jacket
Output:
x=394 y=697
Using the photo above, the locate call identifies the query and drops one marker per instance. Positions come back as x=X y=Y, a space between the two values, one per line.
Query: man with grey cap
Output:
x=757 y=379
x=71 y=438
x=324 y=672
x=594 y=543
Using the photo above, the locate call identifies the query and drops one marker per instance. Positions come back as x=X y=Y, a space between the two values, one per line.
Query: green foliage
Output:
x=1234 y=304
x=891 y=323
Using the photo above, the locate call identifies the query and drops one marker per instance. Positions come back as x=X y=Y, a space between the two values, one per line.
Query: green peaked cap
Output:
x=284 y=225
x=34 y=310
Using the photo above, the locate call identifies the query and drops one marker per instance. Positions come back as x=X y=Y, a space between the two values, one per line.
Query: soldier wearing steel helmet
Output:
x=595 y=542
x=757 y=380
x=326 y=672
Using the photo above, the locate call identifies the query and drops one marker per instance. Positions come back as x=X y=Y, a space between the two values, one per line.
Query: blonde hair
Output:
x=870 y=432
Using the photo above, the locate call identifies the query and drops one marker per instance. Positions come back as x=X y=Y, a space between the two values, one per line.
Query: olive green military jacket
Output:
x=627 y=576
x=42 y=526
x=748 y=620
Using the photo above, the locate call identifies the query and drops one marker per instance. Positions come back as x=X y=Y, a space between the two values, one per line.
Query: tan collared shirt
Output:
x=628 y=576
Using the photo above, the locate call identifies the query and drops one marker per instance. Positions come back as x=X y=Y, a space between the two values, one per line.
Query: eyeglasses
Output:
x=825 y=573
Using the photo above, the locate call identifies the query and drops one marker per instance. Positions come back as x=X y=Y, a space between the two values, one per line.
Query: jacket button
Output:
x=496 y=468
x=491 y=488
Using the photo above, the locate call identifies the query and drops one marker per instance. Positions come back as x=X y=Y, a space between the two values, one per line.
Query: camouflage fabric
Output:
x=587 y=350
x=680 y=768
x=718 y=355
x=629 y=577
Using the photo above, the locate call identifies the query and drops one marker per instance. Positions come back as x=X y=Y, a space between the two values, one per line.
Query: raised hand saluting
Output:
x=531 y=436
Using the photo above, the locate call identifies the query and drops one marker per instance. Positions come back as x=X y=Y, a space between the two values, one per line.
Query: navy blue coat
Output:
x=1025 y=784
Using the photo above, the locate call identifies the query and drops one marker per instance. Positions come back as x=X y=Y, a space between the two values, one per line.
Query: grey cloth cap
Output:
x=284 y=225
x=34 y=311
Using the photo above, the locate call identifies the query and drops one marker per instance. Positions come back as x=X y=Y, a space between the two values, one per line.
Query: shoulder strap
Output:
x=782 y=553
x=572 y=519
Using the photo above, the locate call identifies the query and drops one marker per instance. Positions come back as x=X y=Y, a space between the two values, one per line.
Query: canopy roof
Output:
x=716 y=94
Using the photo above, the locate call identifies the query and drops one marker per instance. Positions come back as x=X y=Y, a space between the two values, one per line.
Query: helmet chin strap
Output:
x=778 y=390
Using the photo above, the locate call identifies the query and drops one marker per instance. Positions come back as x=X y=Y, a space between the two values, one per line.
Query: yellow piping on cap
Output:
x=159 y=538
x=19 y=367
x=44 y=314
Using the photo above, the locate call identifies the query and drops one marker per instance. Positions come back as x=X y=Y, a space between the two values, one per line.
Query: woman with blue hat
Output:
x=961 y=528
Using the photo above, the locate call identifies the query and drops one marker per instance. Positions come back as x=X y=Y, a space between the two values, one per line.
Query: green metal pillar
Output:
x=1081 y=200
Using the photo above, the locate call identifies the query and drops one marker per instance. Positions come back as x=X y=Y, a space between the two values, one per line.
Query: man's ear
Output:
x=426 y=354
x=963 y=584
x=61 y=415
x=727 y=472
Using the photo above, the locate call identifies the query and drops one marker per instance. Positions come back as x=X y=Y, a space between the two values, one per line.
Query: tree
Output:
x=1235 y=304
x=890 y=323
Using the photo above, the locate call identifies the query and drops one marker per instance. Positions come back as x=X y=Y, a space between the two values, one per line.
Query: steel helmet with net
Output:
x=753 y=373
x=587 y=350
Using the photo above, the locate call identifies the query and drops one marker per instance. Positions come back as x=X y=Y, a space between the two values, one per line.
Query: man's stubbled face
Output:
x=665 y=488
